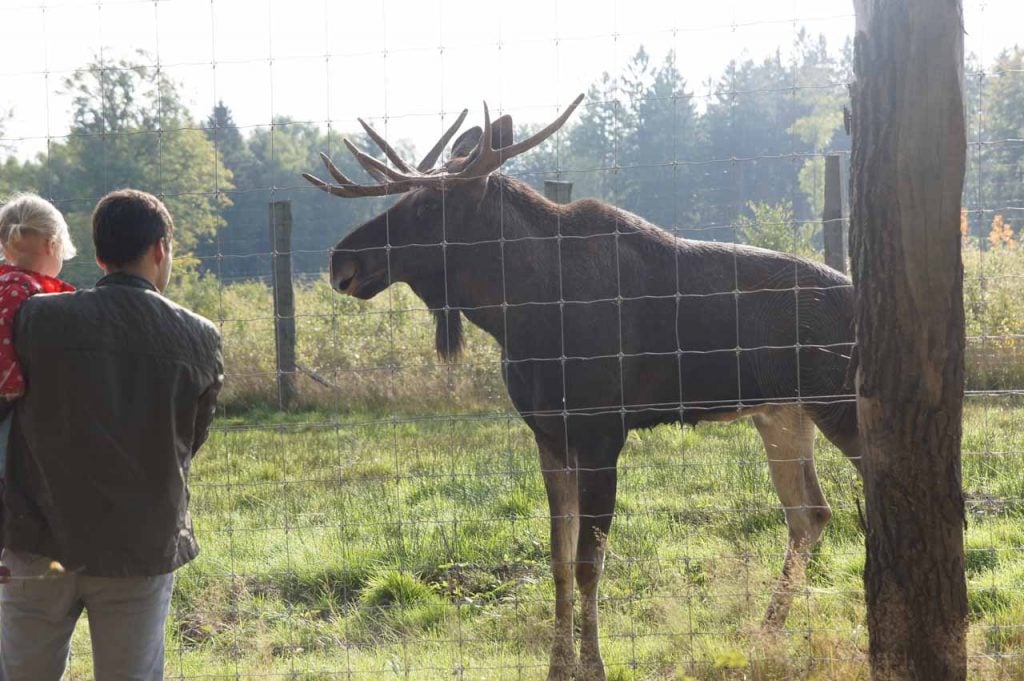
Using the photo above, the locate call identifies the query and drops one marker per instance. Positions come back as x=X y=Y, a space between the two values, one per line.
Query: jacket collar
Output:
x=125 y=279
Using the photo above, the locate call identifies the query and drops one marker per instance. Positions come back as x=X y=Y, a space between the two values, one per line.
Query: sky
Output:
x=409 y=66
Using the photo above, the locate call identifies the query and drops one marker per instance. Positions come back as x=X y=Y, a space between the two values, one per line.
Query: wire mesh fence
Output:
x=393 y=520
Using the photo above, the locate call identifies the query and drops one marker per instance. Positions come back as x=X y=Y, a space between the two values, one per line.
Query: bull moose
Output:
x=608 y=323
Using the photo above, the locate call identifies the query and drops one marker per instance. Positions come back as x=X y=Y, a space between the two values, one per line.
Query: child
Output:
x=35 y=242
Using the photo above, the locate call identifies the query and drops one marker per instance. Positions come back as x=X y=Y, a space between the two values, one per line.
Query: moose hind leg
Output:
x=788 y=436
x=597 y=504
x=560 y=480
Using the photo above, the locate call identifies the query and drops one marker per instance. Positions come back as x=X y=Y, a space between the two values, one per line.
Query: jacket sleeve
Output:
x=208 y=403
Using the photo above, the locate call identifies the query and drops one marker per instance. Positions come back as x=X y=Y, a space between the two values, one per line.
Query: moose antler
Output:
x=482 y=161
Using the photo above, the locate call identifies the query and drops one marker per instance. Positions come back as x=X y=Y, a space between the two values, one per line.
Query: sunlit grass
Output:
x=362 y=547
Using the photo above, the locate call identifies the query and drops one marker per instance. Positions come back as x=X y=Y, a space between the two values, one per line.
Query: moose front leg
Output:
x=560 y=480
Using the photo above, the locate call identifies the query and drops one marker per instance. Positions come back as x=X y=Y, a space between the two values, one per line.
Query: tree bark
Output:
x=906 y=183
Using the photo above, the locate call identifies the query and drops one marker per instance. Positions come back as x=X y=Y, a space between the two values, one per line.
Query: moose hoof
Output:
x=775 y=616
x=562 y=672
x=592 y=672
x=563 y=666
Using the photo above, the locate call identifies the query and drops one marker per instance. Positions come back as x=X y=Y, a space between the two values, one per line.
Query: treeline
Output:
x=738 y=157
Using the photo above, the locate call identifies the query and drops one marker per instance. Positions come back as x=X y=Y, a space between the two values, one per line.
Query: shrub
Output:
x=994 y=309
x=378 y=355
x=375 y=355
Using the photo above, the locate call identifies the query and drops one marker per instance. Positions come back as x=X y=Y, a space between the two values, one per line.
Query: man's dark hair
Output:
x=126 y=223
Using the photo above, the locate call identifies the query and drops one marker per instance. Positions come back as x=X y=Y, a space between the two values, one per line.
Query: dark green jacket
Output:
x=122 y=386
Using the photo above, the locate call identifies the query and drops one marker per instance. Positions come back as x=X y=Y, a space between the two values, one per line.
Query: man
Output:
x=122 y=385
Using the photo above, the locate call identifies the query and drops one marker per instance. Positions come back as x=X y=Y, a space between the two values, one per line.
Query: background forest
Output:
x=742 y=162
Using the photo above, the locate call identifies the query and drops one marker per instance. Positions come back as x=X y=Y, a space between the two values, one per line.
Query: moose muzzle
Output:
x=343 y=274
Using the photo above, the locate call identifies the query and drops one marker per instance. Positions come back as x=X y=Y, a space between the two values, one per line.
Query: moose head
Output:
x=407 y=242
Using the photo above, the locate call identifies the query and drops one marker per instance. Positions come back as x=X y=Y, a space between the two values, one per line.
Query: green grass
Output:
x=364 y=547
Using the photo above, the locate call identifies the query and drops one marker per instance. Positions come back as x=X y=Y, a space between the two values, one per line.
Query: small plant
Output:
x=978 y=560
x=395 y=588
x=1001 y=235
x=772 y=226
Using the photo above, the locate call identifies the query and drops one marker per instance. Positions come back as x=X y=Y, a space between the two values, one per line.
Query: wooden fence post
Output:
x=834 y=215
x=559 y=192
x=284 y=301
x=908 y=163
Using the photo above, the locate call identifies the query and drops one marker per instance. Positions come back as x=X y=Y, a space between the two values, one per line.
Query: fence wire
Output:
x=391 y=521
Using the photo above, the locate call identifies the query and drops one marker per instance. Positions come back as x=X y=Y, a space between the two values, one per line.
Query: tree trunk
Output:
x=906 y=183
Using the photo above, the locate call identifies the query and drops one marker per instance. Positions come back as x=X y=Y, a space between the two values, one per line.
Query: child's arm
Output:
x=13 y=292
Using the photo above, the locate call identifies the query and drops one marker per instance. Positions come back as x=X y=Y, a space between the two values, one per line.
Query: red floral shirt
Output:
x=16 y=286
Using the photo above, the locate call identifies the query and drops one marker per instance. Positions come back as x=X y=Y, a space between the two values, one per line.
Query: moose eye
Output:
x=427 y=208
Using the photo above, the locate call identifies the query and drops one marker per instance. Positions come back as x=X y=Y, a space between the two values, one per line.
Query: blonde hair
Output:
x=28 y=213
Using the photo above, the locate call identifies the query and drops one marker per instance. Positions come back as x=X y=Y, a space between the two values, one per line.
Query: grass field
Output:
x=362 y=547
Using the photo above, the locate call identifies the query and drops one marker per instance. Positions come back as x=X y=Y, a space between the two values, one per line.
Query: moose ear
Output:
x=466 y=142
x=501 y=132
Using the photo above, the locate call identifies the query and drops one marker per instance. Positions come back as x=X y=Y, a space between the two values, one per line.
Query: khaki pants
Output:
x=37 y=617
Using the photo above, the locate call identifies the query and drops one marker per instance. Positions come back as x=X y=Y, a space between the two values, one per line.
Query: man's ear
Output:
x=160 y=251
